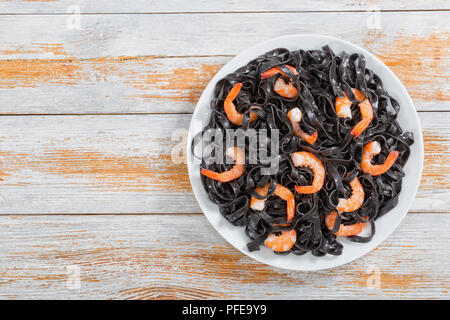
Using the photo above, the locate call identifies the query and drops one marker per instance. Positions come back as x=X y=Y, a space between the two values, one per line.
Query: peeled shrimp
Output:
x=307 y=159
x=369 y=151
x=355 y=201
x=258 y=204
x=344 y=231
x=280 y=191
x=271 y=72
x=286 y=194
x=238 y=169
x=343 y=104
x=295 y=116
x=286 y=90
x=232 y=114
x=283 y=242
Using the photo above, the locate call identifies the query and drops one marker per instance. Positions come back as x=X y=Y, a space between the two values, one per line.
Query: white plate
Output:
x=407 y=119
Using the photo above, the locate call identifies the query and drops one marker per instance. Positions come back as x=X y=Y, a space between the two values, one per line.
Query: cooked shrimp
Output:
x=355 y=201
x=344 y=231
x=232 y=114
x=271 y=72
x=280 y=191
x=307 y=159
x=258 y=204
x=238 y=169
x=286 y=90
x=343 y=105
x=367 y=116
x=369 y=151
x=295 y=116
x=286 y=194
x=283 y=242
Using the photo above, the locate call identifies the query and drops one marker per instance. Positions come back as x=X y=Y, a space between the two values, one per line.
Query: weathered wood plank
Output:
x=123 y=164
x=150 y=85
x=114 y=64
x=128 y=155
x=162 y=257
x=145 y=6
x=122 y=35
x=105 y=85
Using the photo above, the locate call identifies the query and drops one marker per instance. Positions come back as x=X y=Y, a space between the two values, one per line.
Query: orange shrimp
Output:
x=307 y=159
x=238 y=169
x=295 y=116
x=344 y=231
x=232 y=114
x=369 y=151
x=280 y=191
x=286 y=194
x=283 y=242
x=355 y=201
x=258 y=204
x=343 y=104
x=271 y=72
x=286 y=90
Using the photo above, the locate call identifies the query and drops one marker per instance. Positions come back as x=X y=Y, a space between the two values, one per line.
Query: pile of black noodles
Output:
x=322 y=77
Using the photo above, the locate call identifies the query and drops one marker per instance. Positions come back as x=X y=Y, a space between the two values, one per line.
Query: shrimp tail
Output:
x=269 y=73
x=311 y=138
x=210 y=174
x=367 y=116
x=391 y=158
x=286 y=194
x=234 y=91
x=290 y=209
x=276 y=70
x=359 y=128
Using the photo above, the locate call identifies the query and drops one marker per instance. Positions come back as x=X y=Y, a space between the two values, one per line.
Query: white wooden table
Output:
x=89 y=103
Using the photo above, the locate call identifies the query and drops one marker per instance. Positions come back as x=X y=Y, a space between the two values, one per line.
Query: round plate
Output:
x=407 y=119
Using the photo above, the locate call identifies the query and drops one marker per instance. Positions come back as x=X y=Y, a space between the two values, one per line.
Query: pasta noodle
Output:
x=322 y=76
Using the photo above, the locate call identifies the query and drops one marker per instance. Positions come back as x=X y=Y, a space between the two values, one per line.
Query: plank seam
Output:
x=151 y=57
x=136 y=114
x=223 y=12
x=156 y=214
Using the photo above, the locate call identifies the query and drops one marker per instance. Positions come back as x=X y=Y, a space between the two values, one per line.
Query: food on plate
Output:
x=331 y=126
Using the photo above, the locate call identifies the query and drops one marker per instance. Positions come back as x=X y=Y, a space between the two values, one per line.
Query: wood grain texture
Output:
x=125 y=35
x=114 y=64
x=120 y=155
x=105 y=85
x=145 y=6
x=161 y=257
x=123 y=164
x=160 y=63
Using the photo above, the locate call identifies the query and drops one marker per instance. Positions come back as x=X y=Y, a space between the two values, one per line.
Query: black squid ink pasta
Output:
x=313 y=81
